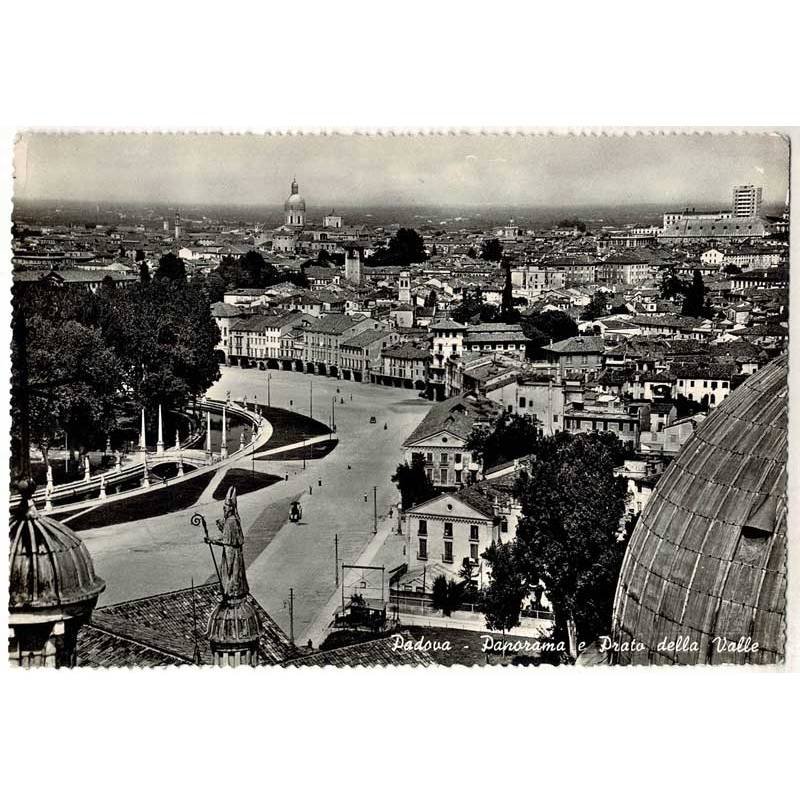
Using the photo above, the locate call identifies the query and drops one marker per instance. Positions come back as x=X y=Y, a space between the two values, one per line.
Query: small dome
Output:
x=705 y=567
x=294 y=202
x=49 y=566
x=233 y=623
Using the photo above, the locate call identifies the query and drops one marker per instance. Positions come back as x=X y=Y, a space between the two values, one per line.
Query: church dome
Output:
x=294 y=202
x=234 y=624
x=704 y=575
x=49 y=566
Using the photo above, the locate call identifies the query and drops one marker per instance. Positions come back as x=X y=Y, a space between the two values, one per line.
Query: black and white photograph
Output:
x=387 y=400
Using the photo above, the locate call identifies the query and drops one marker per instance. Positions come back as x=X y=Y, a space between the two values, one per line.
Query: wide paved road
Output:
x=166 y=553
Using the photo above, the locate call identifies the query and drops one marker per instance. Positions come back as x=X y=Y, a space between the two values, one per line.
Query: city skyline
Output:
x=437 y=170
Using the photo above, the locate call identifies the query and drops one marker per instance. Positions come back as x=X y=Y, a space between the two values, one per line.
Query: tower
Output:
x=52 y=587
x=294 y=209
x=352 y=266
x=178 y=228
x=404 y=292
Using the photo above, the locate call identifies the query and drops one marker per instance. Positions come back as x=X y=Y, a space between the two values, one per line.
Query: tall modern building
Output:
x=746 y=201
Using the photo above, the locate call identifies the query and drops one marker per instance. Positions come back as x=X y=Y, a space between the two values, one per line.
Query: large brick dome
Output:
x=706 y=563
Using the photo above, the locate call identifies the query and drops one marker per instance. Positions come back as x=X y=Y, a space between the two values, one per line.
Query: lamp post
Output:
x=269 y=378
x=311 y=399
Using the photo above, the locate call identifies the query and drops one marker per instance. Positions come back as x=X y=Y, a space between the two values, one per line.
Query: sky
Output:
x=369 y=170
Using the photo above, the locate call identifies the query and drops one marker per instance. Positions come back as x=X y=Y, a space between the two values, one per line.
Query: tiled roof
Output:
x=447 y=325
x=164 y=624
x=456 y=415
x=335 y=324
x=366 y=338
x=408 y=352
x=578 y=344
x=377 y=653
x=221 y=309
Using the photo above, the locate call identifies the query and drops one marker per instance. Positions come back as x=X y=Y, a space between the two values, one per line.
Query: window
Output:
x=447 y=556
x=429 y=473
x=423 y=527
x=458 y=476
x=522 y=402
x=443 y=458
x=473 y=552
x=457 y=458
x=448 y=530
x=473 y=533
x=423 y=548
x=429 y=458
x=504 y=525
x=555 y=417
x=443 y=476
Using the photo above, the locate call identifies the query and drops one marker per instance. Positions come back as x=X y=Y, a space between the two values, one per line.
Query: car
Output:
x=372 y=420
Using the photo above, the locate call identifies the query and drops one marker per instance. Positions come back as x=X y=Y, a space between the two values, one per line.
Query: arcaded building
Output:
x=704 y=575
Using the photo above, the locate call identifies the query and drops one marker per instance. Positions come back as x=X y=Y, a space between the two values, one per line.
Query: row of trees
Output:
x=94 y=360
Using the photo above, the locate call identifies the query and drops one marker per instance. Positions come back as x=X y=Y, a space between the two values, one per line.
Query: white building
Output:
x=746 y=201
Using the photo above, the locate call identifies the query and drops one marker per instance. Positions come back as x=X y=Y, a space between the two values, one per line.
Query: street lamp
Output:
x=269 y=378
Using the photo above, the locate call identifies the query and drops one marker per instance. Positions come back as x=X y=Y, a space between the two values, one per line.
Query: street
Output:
x=166 y=553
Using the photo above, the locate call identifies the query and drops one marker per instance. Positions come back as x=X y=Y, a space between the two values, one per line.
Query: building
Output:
x=625 y=422
x=495 y=337
x=440 y=439
x=458 y=527
x=404 y=288
x=746 y=201
x=225 y=315
x=404 y=365
x=294 y=209
x=704 y=382
x=323 y=340
x=577 y=354
x=332 y=220
x=447 y=342
x=361 y=357
x=352 y=266
x=707 y=559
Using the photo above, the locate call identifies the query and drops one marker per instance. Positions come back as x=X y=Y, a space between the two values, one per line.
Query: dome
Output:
x=704 y=575
x=49 y=566
x=294 y=202
x=234 y=624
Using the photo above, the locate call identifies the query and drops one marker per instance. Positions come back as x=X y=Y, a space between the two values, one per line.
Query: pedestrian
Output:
x=348 y=466
x=311 y=490
x=286 y=477
x=385 y=425
x=319 y=482
x=365 y=498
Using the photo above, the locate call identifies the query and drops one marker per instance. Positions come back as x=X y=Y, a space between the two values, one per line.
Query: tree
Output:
x=470 y=306
x=491 y=250
x=502 y=600
x=413 y=482
x=567 y=538
x=171 y=268
x=431 y=299
x=513 y=436
x=139 y=255
x=507 y=311
x=144 y=273
x=404 y=248
x=671 y=286
x=472 y=253
x=446 y=595
x=693 y=301
x=732 y=269
x=547 y=326
x=73 y=377
x=596 y=308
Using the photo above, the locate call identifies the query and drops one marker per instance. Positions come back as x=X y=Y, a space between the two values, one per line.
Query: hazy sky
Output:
x=414 y=170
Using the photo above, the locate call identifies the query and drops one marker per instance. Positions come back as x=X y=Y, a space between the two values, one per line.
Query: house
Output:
x=225 y=315
x=460 y=526
x=440 y=439
x=608 y=416
x=699 y=382
x=577 y=354
x=495 y=336
x=323 y=340
x=672 y=437
x=404 y=365
x=361 y=356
